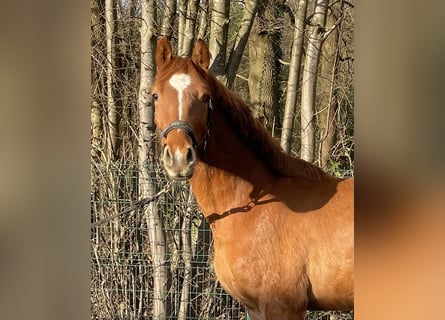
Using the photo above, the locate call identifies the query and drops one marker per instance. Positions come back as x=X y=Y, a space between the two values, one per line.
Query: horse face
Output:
x=182 y=107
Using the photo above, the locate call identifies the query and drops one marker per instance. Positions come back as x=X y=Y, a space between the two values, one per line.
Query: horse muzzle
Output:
x=179 y=164
x=179 y=158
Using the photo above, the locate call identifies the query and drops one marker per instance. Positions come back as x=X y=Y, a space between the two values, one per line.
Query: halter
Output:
x=184 y=125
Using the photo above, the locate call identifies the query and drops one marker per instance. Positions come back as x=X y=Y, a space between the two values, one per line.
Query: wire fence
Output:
x=121 y=261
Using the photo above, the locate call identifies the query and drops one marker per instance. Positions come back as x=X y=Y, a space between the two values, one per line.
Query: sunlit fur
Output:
x=282 y=228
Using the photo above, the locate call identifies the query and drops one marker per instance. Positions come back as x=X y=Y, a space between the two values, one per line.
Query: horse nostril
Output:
x=168 y=159
x=189 y=155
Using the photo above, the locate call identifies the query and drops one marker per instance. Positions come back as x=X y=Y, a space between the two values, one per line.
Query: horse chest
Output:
x=249 y=270
x=236 y=274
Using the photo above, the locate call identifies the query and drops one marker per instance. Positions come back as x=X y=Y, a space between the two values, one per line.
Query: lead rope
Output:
x=138 y=205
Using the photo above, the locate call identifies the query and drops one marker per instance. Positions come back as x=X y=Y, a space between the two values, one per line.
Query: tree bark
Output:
x=294 y=73
x=326 y=102
x=189 y=32
x=146 y=161
x=203 y=19
x=96 y=129
x=316 y=32
x=242 y=36
x=264 y=68
x=168 y=18
x=97 y=85
x=112 y=113
x=219 y=27
x=187 y=258
x=182 y=10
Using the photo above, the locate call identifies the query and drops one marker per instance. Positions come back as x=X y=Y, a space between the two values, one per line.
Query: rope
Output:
x=138 y=205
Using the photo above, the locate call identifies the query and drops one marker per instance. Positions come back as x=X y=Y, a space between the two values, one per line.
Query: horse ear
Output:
x=163 y=52
x=201 y=55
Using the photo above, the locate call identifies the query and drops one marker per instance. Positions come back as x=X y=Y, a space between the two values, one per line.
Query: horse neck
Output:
x=229 y=175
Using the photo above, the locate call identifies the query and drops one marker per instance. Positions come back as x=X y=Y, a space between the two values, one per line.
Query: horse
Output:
x=283 y=229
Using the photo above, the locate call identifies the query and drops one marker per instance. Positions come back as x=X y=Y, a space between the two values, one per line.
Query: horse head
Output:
x=183 y=106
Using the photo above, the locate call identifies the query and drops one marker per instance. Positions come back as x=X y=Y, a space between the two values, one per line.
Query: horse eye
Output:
x=154 y=96
x=205 y=98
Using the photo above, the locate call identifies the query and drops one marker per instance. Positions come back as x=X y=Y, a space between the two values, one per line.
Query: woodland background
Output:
x=293 y=61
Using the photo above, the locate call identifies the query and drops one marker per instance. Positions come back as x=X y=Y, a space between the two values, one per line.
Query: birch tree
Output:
x=97 y=85
x=326 y=102
x=187 y=257
x=250 y=10
x=182 y=10
x=189 y=30
x=147 y=159
x=112 y=112
x=168 y=17
x=316 y=33
x=219 y=27
x=299 y=11
x=264 y=68
x=203 y=19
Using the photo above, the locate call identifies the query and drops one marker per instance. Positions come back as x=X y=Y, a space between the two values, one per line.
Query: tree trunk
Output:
x=294 y=73
x=219 y=27
x=326 y=102
x=96 y=129
x=146 y=161
x=97 y=85
x=168 y=18
x=112 y=119
x=187 y=258
x=316 y=32
x=242 y=36
x=182 y=10
x=264 y=68
x=189 y=32
x=203 y=19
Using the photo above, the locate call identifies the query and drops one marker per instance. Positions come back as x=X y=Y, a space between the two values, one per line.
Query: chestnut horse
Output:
x=282 y=228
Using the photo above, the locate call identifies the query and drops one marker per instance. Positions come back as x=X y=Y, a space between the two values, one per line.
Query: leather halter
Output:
x=184 y=125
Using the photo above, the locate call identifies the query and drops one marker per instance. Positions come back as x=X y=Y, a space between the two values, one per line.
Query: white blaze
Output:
x=180 y=82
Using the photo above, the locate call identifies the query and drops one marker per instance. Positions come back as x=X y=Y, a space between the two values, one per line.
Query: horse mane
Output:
x=262 y=143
